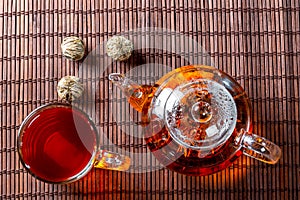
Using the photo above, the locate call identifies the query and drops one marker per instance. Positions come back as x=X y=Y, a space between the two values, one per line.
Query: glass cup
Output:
x=59 y=143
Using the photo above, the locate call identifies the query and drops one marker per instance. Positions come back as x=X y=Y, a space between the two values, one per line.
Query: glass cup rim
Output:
x=27 y=120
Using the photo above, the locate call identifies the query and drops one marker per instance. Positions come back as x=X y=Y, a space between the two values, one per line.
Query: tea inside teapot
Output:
x=197 y=120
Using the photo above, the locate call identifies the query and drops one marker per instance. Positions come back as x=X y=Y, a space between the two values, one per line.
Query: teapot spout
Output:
x=127 y=86
x=136 y=94
x=116 y=78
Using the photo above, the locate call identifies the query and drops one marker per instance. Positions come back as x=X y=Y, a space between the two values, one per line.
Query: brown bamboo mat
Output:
x=255 y=41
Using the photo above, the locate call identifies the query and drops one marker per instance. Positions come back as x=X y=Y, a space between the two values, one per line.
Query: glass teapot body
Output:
x=195 y=119
x=177 y=152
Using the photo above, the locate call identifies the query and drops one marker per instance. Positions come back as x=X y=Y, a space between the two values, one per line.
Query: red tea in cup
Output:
x=57 y=143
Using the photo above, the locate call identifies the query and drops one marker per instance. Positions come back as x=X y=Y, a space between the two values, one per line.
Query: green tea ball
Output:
x=73 y=48
x=69 y=88
x=119 y=48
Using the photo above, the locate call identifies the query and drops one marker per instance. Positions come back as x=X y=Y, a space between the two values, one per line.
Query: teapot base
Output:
x=203 y=171
x=191 y=162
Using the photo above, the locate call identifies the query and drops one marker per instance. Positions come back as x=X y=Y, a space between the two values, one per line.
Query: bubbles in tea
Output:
x=200 y=115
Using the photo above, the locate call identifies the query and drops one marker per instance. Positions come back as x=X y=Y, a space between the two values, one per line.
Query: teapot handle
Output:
x=258 y=147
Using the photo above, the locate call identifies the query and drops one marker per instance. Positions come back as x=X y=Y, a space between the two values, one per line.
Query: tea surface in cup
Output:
x=57 y=143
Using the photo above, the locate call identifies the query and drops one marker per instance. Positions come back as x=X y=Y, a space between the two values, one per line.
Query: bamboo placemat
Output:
x=255 y=41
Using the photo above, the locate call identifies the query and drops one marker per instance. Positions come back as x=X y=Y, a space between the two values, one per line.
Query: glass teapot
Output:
x=197 y=120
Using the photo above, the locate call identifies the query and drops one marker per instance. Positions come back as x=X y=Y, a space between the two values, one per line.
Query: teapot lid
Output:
x=198 y=110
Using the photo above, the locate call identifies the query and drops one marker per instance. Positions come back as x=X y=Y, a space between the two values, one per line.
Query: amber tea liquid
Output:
x=178 y=157
x=187 y=161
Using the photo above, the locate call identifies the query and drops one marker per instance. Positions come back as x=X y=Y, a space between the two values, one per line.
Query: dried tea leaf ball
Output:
x=69 y=88
x=73 y=48
x=119 y=48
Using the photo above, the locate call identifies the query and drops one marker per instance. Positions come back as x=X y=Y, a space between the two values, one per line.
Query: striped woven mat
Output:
x=257 y=42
